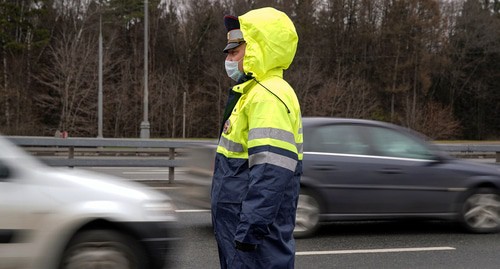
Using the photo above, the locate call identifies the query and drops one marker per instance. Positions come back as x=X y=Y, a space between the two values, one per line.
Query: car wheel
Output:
x=103 y=249
x=307 y=217
x=481 y=211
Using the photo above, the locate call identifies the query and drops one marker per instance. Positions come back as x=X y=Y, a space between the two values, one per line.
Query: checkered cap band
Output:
x=235 y=36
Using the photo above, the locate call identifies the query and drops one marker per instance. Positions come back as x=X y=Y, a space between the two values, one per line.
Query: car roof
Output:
x=310 y=121
x=318 y=121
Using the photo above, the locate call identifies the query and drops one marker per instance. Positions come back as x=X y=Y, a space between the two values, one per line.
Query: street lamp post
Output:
x=145 y=126
x=99 y=98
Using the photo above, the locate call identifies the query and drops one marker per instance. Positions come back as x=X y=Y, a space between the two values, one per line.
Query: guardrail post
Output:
x=71 y=153
x=171 y=156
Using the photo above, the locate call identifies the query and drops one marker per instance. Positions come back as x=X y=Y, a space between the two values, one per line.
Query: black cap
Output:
x=234 y=34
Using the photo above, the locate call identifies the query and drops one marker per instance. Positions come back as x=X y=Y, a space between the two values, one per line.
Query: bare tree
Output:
x=70 y=79
x=437 y=122
x=407 y=61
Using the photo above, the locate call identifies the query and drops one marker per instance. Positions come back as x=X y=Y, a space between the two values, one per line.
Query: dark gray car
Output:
x=370 y=170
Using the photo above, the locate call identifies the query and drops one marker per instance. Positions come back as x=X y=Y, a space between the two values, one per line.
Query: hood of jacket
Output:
x=271 y=42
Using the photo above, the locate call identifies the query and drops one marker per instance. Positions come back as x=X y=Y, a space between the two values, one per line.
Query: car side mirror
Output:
x=439 y=158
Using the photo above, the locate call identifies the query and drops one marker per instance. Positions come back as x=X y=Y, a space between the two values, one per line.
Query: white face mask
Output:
x=232 y=70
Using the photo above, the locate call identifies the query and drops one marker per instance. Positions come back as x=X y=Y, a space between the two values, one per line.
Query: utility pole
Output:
x=99 y=97
x=145 y=126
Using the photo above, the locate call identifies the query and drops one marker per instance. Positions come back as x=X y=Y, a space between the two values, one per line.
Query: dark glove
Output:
x=245 y=247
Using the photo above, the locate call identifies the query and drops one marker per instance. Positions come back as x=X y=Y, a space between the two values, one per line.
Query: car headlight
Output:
x=160 y=210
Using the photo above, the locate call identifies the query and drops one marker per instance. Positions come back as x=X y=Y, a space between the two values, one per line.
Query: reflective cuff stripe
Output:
x=272 y=158
x=300 y=148
x=230 y=145
x=278 y=134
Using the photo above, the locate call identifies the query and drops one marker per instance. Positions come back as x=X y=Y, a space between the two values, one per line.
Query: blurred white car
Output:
x=61 y=218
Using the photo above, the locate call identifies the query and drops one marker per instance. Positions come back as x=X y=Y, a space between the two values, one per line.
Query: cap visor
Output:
x=231 y=46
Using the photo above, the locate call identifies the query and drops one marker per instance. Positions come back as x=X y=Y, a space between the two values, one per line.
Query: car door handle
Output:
x=390 y=171
x=324 y=167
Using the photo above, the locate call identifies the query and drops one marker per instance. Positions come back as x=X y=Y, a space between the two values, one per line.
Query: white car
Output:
x=67 y=218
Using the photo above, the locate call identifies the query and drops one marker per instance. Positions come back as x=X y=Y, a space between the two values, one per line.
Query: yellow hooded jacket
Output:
x=259 y=157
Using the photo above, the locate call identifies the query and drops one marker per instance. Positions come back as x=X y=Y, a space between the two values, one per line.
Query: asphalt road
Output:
x=358 y=245
x=337 y=245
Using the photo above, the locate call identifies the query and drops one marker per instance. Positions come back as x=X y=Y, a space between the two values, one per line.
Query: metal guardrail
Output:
x=75 y=151
x=148 y=152
x=463 y=148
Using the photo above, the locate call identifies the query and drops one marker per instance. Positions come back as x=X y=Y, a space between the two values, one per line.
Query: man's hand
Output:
x=245 y=247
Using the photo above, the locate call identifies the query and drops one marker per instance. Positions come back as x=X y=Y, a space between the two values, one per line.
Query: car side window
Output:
x=338 y=138
x=391 y=143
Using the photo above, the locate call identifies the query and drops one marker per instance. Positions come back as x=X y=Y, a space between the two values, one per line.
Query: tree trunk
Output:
x=394 y=82
x=5 y=86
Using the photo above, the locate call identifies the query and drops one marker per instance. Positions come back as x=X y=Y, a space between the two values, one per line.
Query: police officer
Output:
x=259 y=156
